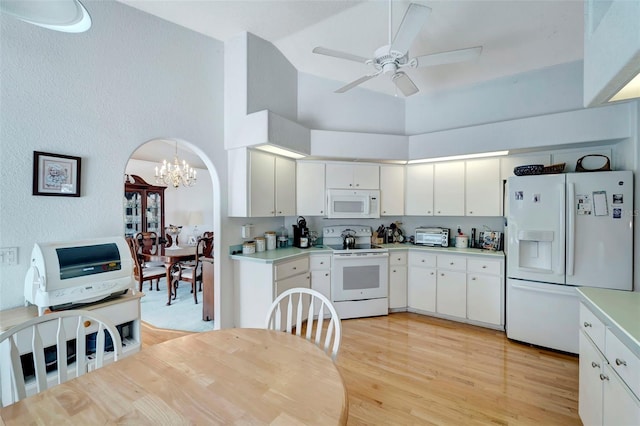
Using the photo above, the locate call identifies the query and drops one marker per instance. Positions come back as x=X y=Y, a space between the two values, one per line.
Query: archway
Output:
x=181 y=206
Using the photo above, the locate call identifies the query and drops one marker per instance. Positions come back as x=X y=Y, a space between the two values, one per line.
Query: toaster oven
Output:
x=436 y=237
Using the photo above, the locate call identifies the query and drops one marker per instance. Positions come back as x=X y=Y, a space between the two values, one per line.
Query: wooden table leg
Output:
x=168 y=265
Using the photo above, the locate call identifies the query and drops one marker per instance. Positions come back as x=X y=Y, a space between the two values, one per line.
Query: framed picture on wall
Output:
x=56 y=174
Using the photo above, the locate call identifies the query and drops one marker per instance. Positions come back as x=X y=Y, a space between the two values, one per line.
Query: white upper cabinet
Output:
x=352 y=176
x=419 y=190
x=448 y=188
x=310 y=189
x=261 y=184
x=392 y=190
x=285 y=186
x=483 y=188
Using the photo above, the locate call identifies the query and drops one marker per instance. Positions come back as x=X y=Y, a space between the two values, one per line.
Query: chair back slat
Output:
x=44 y=331
x=39 y=360
x=299 y=310
x=305 y=314
x=289 y=315
x=61 y=352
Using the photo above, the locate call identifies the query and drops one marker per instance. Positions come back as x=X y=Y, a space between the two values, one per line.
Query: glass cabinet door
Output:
x=154 y=212
x=132 y=213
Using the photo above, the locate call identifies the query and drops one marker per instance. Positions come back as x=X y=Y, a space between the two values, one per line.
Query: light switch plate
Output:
x=9 y=256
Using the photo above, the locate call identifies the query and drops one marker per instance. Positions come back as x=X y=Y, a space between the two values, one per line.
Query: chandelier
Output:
x=176 y=173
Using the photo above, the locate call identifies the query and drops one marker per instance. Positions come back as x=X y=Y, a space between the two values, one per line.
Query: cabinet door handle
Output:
x=442 y=274
x=470 y=212
x=322 y=263
x=473 y=278
x=429 y=211
x=621 y=362
x=595 y=364
x=326 y=275
x=586 y=324
x=321 y=211
x=422 y=261
x=603 y=377
x=484 y=266
x=450 y=263
x=394 y=271
x=295 y=267
x=432 y=273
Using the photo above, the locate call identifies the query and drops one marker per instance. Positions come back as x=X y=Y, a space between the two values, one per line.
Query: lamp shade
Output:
x=195 y=218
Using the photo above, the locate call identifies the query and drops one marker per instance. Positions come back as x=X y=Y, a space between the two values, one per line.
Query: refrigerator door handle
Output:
x=571 y=227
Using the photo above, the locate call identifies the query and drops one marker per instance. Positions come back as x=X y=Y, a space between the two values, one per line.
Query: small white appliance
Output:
x=65 y=275
x=435 y=237
x=353 y=204
x=359 y=272
x=564 y=231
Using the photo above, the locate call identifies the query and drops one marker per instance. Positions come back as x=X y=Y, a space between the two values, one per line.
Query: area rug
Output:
x=183 y=314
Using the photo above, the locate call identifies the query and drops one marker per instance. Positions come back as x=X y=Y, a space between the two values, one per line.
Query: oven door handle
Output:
x=359 y=255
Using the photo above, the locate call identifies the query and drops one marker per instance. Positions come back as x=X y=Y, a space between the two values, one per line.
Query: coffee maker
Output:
x=301 y=233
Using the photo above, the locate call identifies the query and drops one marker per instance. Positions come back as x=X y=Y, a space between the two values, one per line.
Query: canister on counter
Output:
x=249 y=247
x=270 y=236
x=260 y=244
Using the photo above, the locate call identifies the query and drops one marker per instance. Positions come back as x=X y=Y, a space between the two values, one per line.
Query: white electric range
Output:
x=359 y=274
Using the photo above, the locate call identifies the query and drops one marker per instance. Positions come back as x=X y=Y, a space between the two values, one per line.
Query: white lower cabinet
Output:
x=609 y=374
x=257 y=284
x=485 y=301
x=460 y=287
x=320 y=266
x=421 y=282
x=451 y=294
x=397 y=280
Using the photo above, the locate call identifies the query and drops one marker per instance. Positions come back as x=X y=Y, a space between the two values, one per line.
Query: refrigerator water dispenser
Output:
x=535 y=250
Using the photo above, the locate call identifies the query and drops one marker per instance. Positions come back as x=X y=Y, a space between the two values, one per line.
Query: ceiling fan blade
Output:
x=448 y=57
x=356 y=83
x=404 y=83
x=337 y=54
x=410 y=26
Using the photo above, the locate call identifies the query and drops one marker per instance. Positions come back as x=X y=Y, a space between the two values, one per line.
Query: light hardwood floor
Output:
x=406 y=369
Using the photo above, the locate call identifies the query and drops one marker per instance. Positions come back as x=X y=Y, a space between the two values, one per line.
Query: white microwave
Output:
x=353 y=204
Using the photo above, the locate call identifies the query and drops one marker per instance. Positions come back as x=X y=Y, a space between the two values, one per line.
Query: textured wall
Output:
x=99 y=95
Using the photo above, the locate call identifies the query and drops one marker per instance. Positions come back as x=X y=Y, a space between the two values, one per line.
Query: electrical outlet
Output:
x=9 y=256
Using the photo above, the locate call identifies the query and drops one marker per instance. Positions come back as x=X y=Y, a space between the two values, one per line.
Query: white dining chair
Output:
x=37 y=336
x=309 y=309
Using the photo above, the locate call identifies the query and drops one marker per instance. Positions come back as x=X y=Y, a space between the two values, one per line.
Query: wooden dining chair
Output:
x=40 y=352
x=304 y=308
x=192 y=273
x=141 y=272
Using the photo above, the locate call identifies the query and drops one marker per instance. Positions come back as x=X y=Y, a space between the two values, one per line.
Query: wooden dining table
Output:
x=169 y=257
x=239 y=375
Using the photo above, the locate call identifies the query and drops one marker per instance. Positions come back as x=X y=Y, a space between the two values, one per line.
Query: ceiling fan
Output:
x=395 y=56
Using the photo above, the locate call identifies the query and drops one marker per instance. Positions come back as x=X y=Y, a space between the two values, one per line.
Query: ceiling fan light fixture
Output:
x=404 y=83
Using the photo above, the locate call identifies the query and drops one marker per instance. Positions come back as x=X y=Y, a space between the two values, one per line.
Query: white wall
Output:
x=544 y=91
x=100 y=95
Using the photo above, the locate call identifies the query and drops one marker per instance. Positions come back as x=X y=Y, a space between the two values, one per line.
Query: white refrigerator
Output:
x=564 y=231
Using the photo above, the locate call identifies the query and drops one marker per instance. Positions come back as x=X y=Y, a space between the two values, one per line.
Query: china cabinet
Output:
x=143 y=207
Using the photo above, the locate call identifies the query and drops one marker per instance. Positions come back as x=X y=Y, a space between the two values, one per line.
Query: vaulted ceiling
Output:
x=516 y=35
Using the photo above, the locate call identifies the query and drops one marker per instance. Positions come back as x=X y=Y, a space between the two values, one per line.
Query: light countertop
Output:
x=619 y=310
x=270 y=256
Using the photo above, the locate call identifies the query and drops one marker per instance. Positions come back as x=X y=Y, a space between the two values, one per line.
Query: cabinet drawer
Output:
x=292 y=267
x=425 y=260
x=624 y=362
x=320 y=262
x=398 y=258
x=483 y=266
x=592 y=326
x=456 y=263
